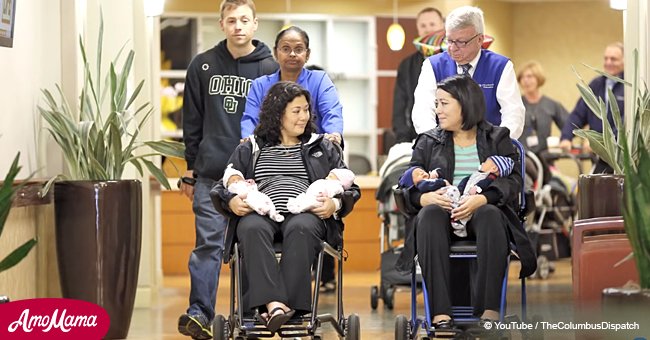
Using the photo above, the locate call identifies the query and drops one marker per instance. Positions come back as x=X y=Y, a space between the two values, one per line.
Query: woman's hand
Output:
x=325 y=210
x=468 y=206
x=437 y=197
x=239 y=207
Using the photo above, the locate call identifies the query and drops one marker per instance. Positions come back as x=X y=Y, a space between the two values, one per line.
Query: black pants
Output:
x=433 y=236
x=289 y=281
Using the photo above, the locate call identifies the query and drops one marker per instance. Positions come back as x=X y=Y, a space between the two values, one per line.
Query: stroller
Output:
x=392 y=226
x=553 y=216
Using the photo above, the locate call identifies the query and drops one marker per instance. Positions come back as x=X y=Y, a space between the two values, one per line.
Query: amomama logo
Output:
x=52 y=319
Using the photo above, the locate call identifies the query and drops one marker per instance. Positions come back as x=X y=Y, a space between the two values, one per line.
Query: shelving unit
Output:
x=344 y=46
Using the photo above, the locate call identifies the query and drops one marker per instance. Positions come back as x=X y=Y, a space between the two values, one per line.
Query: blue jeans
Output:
x=206 y=258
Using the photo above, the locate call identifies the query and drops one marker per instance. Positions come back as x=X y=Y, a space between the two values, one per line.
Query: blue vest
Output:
x=487 y=74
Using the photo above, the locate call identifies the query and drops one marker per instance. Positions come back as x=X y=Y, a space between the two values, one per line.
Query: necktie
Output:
x=609 y=84
x=465 y=68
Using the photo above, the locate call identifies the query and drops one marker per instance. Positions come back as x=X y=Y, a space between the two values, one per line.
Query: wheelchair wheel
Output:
x=389 y=298
x=374 y=297
x=220 y=329
x=402 y=328
x=353 y=328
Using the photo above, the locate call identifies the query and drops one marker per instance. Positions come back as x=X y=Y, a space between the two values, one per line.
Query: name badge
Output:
x=532 y=141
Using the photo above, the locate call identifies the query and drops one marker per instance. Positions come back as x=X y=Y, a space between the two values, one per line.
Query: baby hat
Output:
x=407 y=177
x=229 y=172
x=345 y=176
x=505 y=165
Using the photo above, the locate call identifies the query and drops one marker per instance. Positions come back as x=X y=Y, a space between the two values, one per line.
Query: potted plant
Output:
x=99 y=215
x=629 y=155
x=8 y=191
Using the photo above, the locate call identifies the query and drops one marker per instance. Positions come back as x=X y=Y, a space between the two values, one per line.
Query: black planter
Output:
x=627 y=305
x=98 y=239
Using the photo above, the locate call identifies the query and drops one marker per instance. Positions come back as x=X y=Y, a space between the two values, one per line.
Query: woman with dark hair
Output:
x=461 y=141
x=292 y=51
x=284 y=157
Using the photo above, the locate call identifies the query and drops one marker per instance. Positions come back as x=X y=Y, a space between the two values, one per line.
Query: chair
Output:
x=241 y=326
x=461 y=250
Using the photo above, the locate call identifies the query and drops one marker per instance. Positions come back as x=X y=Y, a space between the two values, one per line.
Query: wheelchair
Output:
x=463 y=314
x=241 y=326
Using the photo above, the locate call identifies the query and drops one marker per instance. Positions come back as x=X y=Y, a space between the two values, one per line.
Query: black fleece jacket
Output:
x=319 y=156
x=435 y=149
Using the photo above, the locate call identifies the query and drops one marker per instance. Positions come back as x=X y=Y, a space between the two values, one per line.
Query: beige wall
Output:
x=564 y=34
x=558 y=34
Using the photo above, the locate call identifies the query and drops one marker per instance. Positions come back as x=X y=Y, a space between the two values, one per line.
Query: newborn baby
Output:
x=246 y=189
x=335 y=183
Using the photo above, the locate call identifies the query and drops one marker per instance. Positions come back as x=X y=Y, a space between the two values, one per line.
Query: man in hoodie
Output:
x=216 y=87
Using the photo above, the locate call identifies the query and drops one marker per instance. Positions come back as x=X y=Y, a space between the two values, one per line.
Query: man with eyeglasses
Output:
x=216 y=86
x=493 y=72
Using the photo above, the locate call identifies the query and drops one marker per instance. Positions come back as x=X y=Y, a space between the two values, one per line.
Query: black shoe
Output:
x=196 y=326
x=443 y=325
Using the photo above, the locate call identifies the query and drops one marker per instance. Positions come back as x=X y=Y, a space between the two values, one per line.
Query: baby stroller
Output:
x=392 y=226
x=549 y=224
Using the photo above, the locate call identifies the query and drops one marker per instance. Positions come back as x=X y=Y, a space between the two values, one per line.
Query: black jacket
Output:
x=408 y=73
x=319 y=155
x=435 y=149
x=216 y=87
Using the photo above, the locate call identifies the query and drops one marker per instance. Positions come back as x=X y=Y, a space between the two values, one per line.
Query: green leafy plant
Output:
x=100 y=136
x=629 y=154
x=7 y=193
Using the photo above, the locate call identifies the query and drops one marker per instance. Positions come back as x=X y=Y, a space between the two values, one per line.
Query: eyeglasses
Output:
x=287 y=50
x=460 y=43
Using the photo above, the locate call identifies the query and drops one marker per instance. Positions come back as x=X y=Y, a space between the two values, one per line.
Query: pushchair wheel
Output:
x=389 y=297
x=374 y=297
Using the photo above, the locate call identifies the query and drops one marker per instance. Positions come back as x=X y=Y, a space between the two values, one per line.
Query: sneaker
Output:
x=196 y=326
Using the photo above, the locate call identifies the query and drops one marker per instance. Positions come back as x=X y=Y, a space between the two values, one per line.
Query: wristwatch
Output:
x=187 y=180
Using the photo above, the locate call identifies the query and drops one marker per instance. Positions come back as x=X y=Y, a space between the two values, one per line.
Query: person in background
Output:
x=541 y=111
x=429 y=20
x=582 y=115
x=211 y=126
x=493 y=72
x=292 y=52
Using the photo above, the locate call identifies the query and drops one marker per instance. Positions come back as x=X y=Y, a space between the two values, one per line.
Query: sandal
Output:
x=276 y=320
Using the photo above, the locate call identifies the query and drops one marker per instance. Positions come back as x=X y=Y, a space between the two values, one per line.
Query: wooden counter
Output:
x=361 y=231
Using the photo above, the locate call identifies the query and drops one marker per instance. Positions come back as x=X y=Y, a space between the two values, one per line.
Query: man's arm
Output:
x=577 y=120
x=424 y=106
x=512 y=108
x=192 y=116
x=400 y=100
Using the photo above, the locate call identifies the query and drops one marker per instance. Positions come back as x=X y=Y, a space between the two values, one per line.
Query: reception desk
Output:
x=361 y=230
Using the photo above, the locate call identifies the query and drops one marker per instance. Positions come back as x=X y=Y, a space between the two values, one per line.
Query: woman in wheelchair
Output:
x=461 y=141
x=283 y=158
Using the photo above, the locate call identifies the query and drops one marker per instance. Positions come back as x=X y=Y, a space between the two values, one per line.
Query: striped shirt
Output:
x=280 y=173
x=467 y=162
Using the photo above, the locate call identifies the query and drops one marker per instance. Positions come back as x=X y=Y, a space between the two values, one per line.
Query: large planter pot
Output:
x=600 y=195
x=98 y=238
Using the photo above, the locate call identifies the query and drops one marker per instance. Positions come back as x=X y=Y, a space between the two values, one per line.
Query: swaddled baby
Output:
x=337 y=181
x=246 y=189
